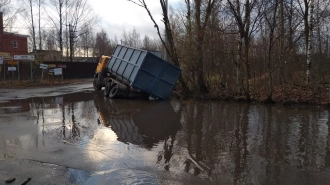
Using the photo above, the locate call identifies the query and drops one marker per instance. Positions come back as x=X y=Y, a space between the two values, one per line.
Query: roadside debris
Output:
x=26 y=181
x=10 y=180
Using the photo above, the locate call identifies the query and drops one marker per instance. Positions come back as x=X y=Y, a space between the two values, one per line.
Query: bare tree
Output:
x=9 y=13
x=201 y=25
x=170 y=47
x=270 y=16
x=32 y=26
x=86 y=40
x=149 y=44
x=76 y=16
x=242 y=13
x=3 y=4
x=102 y=44
x=39 y=2
x=308 y=20
x=50 y=43
x=81 y=19
x=57 y=20
x=132 y=39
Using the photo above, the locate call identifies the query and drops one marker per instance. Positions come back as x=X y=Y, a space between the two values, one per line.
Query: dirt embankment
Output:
x=283 y=94
x=292 y=94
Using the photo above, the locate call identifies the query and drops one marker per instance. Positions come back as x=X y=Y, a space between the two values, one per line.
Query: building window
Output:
x=14 y=44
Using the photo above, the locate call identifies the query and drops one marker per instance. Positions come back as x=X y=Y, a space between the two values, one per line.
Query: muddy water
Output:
x=101 y=141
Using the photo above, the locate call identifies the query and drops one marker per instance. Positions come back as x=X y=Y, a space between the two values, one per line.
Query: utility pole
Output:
x=66 y=30
x=71 y=35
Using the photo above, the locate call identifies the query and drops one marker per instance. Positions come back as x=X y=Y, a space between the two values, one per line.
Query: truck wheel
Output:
x=145 y=95
x=114 y=91
x=96 y=85
x=107 y=88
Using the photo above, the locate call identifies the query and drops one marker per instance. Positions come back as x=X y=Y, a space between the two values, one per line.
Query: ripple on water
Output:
x=123 y=176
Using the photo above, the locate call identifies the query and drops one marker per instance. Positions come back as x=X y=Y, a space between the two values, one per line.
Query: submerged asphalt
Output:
x=73 y=135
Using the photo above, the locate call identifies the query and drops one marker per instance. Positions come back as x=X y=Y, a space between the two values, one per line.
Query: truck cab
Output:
x=100 y=72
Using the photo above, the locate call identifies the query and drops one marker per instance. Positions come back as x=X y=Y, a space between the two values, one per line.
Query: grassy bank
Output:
x=282 y=94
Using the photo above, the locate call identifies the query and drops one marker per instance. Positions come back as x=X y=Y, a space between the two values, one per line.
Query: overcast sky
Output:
x=115 y=17
x=119 y=15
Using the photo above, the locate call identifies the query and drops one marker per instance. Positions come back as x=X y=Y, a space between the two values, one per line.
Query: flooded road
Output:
x=84 y=138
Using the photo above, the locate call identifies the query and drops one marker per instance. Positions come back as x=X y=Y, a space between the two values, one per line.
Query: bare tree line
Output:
x=235 y=47
x=53 y=24
x=69 y=26
x=71 y=21
x=244 y=47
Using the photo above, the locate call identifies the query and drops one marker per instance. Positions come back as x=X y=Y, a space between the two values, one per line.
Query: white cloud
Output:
x=115 y=17
x=119 y=15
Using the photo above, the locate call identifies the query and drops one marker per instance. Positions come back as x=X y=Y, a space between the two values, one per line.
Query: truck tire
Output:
x=96 y=84
x=114 y=91
x=107 y=88
x=145 y=95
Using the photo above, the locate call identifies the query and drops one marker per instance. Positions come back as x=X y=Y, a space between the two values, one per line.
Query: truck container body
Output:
x=144 y=71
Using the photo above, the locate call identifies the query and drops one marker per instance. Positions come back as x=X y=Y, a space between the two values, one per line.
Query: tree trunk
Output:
x=199 y=47
x=171 y=46
x=61 y=28
x=238 y=65
x=33 y=30
x=309 y=41
x=40 y=38
x=282 y=34
x=170 y=49
x=202 y=88
x=247 y=70
x=200 y=33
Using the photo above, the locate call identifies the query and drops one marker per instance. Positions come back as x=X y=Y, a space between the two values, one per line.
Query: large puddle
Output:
x=102 y=141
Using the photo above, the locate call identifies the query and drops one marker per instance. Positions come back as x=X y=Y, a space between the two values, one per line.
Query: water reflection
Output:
x=143 y=123
x=138 y=122
x=226 y=143
x=255 y=144
x=60 y=114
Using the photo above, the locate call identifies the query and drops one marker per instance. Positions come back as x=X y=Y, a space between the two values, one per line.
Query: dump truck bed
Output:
x=144 y=71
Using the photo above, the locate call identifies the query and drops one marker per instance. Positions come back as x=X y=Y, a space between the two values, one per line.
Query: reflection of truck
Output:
x=134 y=70
x=142 y=123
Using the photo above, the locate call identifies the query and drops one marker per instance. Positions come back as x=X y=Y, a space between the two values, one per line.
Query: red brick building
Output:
x=13 y=43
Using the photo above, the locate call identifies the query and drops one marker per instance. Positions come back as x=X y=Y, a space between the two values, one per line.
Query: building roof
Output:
x=44 y=50
x=15 y=34
x=85 y=59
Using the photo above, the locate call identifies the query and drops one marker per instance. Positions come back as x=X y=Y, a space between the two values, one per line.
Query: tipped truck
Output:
x=130 y=71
